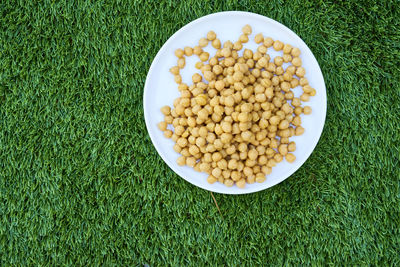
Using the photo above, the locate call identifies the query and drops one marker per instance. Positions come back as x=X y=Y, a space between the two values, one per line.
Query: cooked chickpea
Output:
x=295 y=52
x=290 y=157
x=168 y=133
x=197 y=50
x=162 y=125
x=259 y=38
x=268 y=42
x=296 y=61
x=211 y=35
x=204 y=56
x=307 y=110
x=216 y=43
x=278 y=45
x=246 y=29
x=300 y=72
x=260 y=177
x=243 y=38
x=179 y=53
x=299 y=130
x=291 y=146
x=174 y=70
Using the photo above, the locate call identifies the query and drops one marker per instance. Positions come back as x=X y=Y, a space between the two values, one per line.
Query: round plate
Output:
x=160 y=89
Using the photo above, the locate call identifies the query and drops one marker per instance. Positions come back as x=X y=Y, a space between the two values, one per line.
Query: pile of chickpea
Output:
x=236 y=126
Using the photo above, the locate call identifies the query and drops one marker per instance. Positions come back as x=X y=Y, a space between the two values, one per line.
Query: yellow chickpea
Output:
x=162 y=125
x=216 y=43
x=299 y=130
x=307 y=110
x=300 y=72
x=196 y=78
x=179 y=53
x=278 y=45
x=168 y=133
x=247 y=29
x=204 y=56
x=229 y=182
x=260 y=177
x=262 y=49
x=203 y=42
x=287 y=58
x=243 y=38
x=166 y=110
x=295 y=52
x=237 y=45
x=197 y=50
x=287 y=48
x=296 y=102
x=188 y=51
x=241 y=183
x=211 y=179
x=305 y=97
x=268 y=41
x=259 y=38
x=296 y=61
x=278 y=61
x=291 y=146
x=211 y=35
x=290 y=157
x=174 y=70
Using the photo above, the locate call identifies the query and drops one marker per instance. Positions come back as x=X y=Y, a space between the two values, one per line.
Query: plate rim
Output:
x=152 y=137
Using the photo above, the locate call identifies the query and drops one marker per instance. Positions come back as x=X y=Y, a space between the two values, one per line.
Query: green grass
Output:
x=81 y=183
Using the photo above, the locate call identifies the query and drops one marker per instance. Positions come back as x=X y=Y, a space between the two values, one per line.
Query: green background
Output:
x=81 y=183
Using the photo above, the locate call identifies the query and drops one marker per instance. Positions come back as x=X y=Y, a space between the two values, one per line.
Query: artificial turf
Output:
x=81 y=183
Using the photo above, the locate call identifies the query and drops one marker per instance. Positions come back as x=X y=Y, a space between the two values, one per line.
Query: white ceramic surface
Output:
x=160 y=89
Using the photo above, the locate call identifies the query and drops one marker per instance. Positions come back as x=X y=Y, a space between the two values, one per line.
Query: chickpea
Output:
x=262 y=49
x=229 y=182
x=296 y=61
x=168 y=119
x=307 y=110
x=168 y=133
x=291 y=147
x=174 y=70
x=259 y=38
x=296 y=102
x=290 y=157
x=300 y=72
x=238 y=45
x=252 y=154
x=284 y=124
x=241 y=183
x=204 y=56
x=278 y=61
x=278 y=45
x=260 y=178
x=181 y=161
x=216 y=43
x=211 y=179
x=268 y=42
x=295 y=52
x=287 y=58
x=211 y=36
x=162 y=125
x=179 y=53
x=287 y=48
x=305 y=97
x=294 y=83
x=299 y=130
x=243 y=38
x=246 y=29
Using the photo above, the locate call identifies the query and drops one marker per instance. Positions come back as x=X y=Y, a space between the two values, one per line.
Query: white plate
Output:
x=160 y=89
